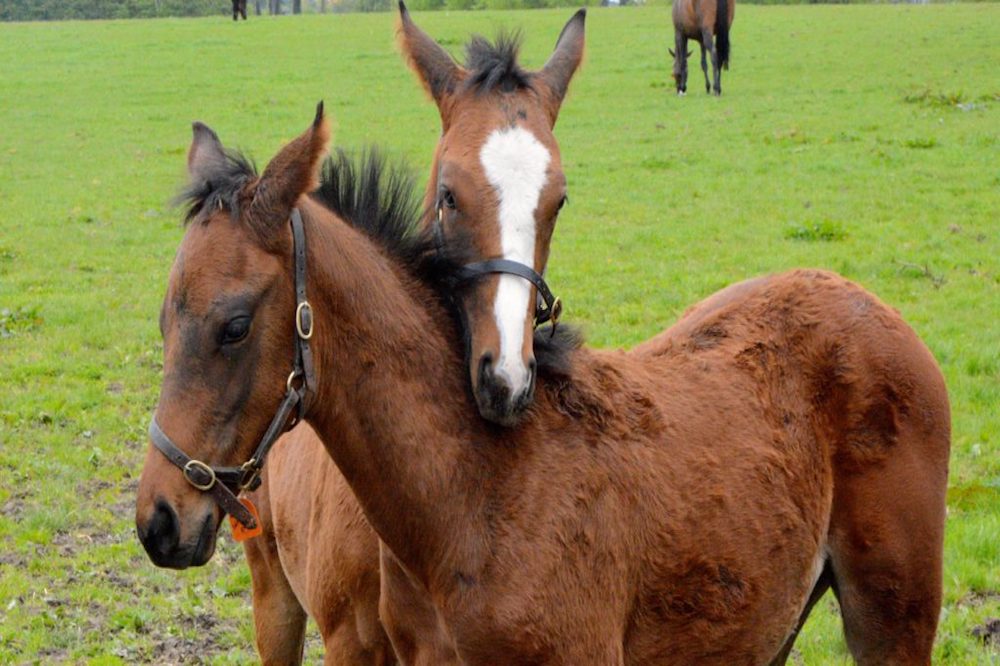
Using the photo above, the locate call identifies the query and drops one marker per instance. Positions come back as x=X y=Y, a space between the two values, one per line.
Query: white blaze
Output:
x=515 y=163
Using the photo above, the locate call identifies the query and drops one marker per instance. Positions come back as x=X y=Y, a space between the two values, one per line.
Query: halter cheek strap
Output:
x=224 y=483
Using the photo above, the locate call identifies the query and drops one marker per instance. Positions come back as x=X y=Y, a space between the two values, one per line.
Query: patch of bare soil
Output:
x=976 y=598
x=988 y=632
x=13 y=508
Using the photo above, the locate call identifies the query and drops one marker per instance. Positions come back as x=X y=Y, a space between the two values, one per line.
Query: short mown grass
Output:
x=862 y=139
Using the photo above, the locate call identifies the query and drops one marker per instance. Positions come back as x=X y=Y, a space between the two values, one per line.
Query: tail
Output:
x=722 y=32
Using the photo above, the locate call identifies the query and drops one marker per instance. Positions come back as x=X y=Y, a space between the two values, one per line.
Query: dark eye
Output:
x=563 y=202
x=235 y=330
x=447 y=199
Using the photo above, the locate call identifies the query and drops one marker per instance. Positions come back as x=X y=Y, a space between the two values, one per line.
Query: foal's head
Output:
x=497 y=184
x=228 y=322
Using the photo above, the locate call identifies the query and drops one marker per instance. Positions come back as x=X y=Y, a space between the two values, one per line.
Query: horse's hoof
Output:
x=681 y=93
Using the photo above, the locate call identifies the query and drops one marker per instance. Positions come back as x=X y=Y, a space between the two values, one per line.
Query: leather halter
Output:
x=224 y=483
x=553 y=304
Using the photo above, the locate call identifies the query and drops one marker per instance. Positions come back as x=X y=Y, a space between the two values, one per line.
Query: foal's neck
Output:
x=392 y=407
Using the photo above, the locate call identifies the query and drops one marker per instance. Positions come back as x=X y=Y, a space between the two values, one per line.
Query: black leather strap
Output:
x=215 y=481
x=223 y=483
x=553 y=305
x=304 y=323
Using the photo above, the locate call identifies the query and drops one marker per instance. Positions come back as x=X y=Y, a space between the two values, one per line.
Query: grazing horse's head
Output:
x=497 y=185
x=228 y=323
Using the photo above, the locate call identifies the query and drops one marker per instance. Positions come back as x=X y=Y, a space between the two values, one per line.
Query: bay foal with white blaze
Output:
x=497 y=182
x=684 y=502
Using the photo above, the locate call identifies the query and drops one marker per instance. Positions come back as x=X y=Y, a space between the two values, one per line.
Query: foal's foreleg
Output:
x=279 y=619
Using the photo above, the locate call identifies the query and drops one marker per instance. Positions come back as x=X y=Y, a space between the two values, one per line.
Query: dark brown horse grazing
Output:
x=307 y=571
x=684 y=502
x=700 y=20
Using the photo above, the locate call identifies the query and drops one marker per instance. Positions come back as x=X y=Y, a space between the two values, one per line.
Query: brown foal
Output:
x=683 y=502
x=330 y=571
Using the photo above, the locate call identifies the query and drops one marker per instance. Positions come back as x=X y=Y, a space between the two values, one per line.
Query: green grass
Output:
x=863 y=139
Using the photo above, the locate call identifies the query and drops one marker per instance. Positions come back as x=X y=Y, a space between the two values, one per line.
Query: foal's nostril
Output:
x=163 y=532
x=485 y=368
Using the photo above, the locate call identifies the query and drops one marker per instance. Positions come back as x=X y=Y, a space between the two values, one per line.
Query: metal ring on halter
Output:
x=553 y=314
x=304 y=309
x=251 y=472
x=292 y=376
x=197 y=464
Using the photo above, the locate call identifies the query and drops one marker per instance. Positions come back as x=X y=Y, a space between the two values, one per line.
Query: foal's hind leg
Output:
x=819 y=589
x=885 y=545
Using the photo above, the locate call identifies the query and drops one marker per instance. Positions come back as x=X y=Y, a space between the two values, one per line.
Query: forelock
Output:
x=219 y=188
x=494 y=66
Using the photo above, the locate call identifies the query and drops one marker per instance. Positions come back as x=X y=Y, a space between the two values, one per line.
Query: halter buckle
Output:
x=556 y=311
x=202 y=467
x=304 y=320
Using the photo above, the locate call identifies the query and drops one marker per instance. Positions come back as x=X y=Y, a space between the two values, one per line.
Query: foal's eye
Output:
x=235 y=330
x=563 y=202
x=448 y=199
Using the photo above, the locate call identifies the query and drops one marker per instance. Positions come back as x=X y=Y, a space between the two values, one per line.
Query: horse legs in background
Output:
x=708 y=44
x=704 y=68
x=680 y=54
x=279 y=619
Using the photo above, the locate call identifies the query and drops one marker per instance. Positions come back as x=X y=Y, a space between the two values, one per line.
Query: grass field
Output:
x=863 y=139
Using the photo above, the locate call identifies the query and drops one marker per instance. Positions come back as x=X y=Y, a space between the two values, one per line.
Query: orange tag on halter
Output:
x=241 y=533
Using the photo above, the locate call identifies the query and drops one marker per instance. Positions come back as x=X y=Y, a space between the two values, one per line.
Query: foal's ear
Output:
x=206 y=154
x=294 y=171
x=437 y=70
x=565 y=60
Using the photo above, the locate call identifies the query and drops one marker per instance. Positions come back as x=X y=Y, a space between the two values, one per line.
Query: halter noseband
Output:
x=553 y=304
x=224 y=483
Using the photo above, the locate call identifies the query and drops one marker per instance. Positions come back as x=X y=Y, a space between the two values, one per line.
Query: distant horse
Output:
x=700 y=20
x=683 y=502
x=329 y=570
x=239 y=9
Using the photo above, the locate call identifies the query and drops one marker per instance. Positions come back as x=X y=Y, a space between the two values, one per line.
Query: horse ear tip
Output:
x=319 y=114
x=403 y=11
x=200 y=129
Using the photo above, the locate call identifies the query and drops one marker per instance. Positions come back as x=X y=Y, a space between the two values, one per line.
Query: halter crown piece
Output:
x=224 y=483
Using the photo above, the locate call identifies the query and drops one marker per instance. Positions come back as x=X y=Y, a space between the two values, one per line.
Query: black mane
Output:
x=494 y=66
x=380 y=199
